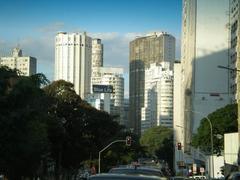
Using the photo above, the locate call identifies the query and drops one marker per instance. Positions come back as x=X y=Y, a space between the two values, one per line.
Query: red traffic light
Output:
x=179 y=146
x=128 y=141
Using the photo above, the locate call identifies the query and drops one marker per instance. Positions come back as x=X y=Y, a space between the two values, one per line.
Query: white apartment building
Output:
x=158 y=97
x=73 y=54
x=27 y=65
x=112 y=76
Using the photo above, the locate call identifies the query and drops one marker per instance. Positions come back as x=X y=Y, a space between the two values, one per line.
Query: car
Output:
x=178 y=178
x=137 y=170
x=111 y=176
x=200 y=177
x=234 y=176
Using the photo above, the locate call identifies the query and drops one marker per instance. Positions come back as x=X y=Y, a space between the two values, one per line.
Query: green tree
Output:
x=224 y=120
x=7 y=77
x=158 y=142
x=65 y=126
x=23 y=116
x=77 y=131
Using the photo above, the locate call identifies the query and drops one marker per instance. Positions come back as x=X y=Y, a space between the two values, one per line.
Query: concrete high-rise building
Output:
x=73 y=54
x=178 y=118
x=97 y=53
x=97 y=59
x=234 y=62
x=205 y=46
x=112 y=76
x=153 y=48
x=158 y=97
x=204 y=86
x=27 y=65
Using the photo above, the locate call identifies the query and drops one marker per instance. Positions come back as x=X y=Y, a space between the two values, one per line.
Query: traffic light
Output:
x=128 y=141
x=179 y=146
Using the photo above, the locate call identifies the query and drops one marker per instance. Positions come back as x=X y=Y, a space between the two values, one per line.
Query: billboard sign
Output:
x=102 y=88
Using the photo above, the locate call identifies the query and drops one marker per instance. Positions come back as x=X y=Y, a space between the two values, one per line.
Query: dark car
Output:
x=137 y=170
x=112 y=176
x=234 y=176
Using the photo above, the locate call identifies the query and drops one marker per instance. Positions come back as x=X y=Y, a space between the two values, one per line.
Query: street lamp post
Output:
x=211 y=130
x=99 y=153
x=238 y=100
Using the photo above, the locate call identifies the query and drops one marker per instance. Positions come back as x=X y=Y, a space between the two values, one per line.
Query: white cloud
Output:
x=105 y=36
x=54 y=27
x=43 y=49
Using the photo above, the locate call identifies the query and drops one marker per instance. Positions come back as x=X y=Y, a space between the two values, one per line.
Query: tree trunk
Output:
x=58 y=167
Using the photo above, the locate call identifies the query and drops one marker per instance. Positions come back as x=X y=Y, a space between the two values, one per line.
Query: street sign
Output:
x=202 y=170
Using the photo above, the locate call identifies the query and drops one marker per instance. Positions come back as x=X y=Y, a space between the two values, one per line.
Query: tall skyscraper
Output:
x=97 y=53
x=97 y=59
x=204 y=87
x=73 y=54
x=234 y=62
x=153 y=48
x=205 y=46
x=27 y=65
x=158 y=97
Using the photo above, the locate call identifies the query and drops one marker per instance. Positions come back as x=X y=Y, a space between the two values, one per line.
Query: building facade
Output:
x=97 y=60
x=112 y=76
x=27 y=65
x=153 y=48
x=205 y=46
x=73 y=54
x=97 y=53
x=234 y=62
x=158 y=97
x=126 y=113
x=204 y=87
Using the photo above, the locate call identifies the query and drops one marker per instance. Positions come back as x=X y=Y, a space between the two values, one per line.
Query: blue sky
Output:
x=33 y=24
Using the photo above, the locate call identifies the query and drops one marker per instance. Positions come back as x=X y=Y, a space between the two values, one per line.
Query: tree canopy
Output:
x=158 y=142
x=23 y=135
x=224 y=120
x=47 y=125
